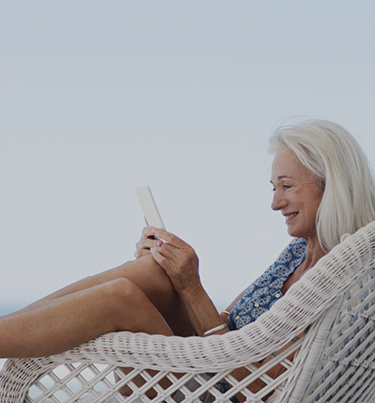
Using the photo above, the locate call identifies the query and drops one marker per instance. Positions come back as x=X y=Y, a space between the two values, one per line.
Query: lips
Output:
x=288 y=217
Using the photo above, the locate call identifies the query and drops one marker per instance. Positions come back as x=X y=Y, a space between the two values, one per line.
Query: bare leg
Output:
x=137 y=296
x=64 y=322
x=151 y=279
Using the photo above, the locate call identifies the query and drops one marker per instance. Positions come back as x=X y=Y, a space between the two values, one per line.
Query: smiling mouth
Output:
x=289 y=217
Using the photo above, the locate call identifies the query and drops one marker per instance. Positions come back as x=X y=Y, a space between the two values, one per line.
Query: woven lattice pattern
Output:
x=348 y=367
x=335 y=357
x=87 y=382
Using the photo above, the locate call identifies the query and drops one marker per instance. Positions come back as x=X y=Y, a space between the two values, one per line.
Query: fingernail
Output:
x=160 y=243
x=152 y=230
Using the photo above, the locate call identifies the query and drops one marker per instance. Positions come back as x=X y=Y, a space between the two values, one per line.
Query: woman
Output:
x=322 y=185
x=324 y=188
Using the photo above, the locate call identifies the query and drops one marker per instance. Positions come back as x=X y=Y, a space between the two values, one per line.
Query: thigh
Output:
x=63 y=323
x=144 y=272
x=151 y=278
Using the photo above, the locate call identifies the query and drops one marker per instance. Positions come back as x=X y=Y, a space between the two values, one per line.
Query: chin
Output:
x=293 y=233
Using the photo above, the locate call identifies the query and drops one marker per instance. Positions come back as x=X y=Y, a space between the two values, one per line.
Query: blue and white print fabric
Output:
x=266 y=290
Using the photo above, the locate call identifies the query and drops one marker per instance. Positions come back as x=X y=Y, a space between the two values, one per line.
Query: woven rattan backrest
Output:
x=347 y=369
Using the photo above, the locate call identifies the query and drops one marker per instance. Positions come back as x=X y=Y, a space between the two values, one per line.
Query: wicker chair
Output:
x=333 y=305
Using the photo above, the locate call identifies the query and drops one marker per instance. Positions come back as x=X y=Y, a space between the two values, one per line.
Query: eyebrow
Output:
x=282 y=177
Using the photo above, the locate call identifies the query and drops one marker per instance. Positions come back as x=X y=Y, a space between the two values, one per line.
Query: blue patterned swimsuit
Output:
x=265 y=292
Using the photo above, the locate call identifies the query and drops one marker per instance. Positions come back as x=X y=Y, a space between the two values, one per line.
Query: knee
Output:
x=120 y=293
x=152 y=278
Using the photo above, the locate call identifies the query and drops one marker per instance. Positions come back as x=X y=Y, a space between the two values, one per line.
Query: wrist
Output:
x=193 y=294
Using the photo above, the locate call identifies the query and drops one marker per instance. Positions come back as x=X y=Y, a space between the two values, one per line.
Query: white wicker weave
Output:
x=335 y=361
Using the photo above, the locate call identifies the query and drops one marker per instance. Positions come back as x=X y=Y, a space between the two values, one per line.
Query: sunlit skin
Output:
x=160 y=292
x=297 y=196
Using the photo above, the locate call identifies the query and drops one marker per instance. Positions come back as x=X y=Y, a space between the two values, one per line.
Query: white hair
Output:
x=340 y=169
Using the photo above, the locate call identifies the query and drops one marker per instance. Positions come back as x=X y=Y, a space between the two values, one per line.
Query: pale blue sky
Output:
x=100 y=97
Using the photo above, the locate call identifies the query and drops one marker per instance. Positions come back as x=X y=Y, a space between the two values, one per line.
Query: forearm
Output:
x=201 y=310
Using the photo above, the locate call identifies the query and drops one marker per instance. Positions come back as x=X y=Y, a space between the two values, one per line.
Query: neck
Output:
x=313 y=253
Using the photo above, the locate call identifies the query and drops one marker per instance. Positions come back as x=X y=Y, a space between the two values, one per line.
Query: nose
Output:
x=278 y=202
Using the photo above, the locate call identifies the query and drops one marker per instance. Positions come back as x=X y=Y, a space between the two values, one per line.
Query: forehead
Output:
x=287 y=164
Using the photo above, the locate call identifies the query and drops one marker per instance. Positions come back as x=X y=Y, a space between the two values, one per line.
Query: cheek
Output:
x=314 y=209
x=318 y=198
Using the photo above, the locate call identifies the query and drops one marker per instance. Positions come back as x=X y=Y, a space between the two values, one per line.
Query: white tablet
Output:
x=149 y=207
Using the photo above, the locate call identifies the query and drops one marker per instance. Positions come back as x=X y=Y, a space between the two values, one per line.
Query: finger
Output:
x=170 y=252
x=177 y=254
x=146 y=243
x=161 y=260
x=170 y=258
x=142 y=252
x=143 y=248
x=146 y=232
x=168 y=237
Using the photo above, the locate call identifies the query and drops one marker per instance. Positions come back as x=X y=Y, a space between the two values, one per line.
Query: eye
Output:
x=286 y=187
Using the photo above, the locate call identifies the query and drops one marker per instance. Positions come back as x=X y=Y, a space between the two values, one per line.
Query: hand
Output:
x=146 y=242
x=178 y=259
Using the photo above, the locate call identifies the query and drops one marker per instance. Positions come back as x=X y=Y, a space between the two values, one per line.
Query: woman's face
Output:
x=296 y=194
